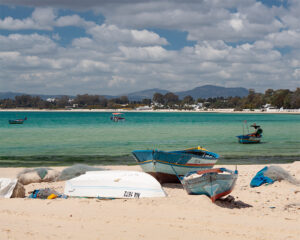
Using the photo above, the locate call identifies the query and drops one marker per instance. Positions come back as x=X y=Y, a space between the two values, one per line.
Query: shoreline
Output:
x=267 y=212
x=289 y=111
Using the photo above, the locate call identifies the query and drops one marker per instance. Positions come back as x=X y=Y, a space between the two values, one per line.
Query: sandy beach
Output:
x=266 y=212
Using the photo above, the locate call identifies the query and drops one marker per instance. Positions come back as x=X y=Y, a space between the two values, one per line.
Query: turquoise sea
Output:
x=63 y=138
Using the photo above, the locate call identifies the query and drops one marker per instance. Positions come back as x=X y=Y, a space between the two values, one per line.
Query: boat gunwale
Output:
x=178 y=164
x=213 y=156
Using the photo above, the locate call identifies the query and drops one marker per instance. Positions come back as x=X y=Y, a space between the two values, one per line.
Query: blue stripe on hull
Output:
x=249 y=139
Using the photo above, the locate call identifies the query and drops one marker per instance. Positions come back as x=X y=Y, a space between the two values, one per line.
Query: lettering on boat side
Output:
x=130 y=194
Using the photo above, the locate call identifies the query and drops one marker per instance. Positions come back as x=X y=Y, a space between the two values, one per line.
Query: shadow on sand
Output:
x=173 y=185
x=229 y=202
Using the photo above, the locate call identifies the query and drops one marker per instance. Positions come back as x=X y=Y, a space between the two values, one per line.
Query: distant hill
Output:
x=137 y=96
x=207 y=91
x=11 y=95
x=210 y=91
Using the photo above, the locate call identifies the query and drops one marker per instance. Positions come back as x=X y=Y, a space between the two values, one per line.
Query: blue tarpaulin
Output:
x=260 y=178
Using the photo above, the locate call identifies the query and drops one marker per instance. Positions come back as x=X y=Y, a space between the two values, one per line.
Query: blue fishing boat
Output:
x=254 y=137
x=168 y=166
x=214 y=183
x=17 y=121
x=249 y=138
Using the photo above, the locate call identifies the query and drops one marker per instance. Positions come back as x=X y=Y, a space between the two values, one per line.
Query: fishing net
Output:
x=42 y=171
x=37 y=175
x=76 y=170
x=277 y=173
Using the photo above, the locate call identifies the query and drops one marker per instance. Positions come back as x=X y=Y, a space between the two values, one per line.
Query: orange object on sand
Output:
x=52 y=196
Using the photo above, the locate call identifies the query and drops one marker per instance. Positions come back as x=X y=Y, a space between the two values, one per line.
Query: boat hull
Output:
x=16 y=121
x=245 y=139
x=167 y=167
x=212 y=184
x=114 y=184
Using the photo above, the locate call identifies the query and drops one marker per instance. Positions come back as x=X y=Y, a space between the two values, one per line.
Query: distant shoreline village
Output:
x=200 y=99
x=149 y=109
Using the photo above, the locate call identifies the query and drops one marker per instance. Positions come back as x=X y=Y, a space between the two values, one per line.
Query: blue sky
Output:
x=117 y=46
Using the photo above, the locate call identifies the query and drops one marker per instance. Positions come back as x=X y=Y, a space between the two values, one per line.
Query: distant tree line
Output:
x=85 y=101
x=277 y=98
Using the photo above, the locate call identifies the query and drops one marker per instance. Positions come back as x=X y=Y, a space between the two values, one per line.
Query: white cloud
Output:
x=119 y=81
x=41 y=19
x=113 y=34
x=289 y=38
x=236 y=45
x=236 y=23
x=43 y=16
x=73 y=20
x=155 y=53
x=209 y=52
x=29 y=44
x=147 y=37
x=9 y=55
x=296 y=73
x=87 y=65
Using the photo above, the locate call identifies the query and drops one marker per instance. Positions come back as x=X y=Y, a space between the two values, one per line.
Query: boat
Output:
x=249 y=138
x=116 y=117
x=214 y=183
x=254 y=137
x=17 y=121
x=114 y=184
x=168 y=166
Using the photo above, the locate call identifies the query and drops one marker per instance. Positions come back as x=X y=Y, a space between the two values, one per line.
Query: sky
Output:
x=122 y=46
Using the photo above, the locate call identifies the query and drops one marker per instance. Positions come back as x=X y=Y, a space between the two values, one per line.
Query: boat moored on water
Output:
x=254 y=137
x=214 y=183
x=17 y=121
x=249 y=138
x=169 y=166
x=116 y=117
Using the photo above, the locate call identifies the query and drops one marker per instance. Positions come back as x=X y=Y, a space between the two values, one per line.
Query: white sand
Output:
x=275 y=213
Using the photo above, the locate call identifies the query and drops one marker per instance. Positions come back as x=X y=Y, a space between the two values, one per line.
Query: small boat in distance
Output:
x=167 y=167
x=214 y=183
x=254 y=137
x=17 y=121
x=116 y=117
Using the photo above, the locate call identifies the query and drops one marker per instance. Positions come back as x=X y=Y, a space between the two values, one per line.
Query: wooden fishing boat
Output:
x=168 y=166
x=254 y=137
x=215 y=183
x=17 y=121
x=114 y=184
x=249 y=138
x=116 y=117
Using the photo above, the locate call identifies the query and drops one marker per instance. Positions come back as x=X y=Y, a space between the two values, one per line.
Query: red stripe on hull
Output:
x=214 y=198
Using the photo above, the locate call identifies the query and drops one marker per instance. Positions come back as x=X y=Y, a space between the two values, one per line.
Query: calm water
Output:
x=62 y=138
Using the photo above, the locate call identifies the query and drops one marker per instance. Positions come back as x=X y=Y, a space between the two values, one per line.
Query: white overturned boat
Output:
x=114 y=184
